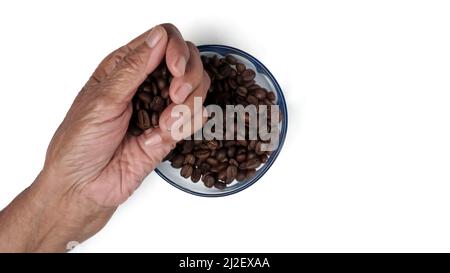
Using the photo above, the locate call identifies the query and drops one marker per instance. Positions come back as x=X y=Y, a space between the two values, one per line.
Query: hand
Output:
x=91 y=149
x=92 y=164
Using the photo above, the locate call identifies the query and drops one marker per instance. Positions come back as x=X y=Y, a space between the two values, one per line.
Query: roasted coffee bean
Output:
x=225 y=70
x=271 y=96
x=250 y=173
x=241 y=158
x=196 y=175
x=177 y=161
x=189 y=159
x=208 y=180
x=202 y=154
x=155 y=119
x=157 y=104
x=221 y=154
x=252 y=99
x=240 y=67
x=260 y=93
x=212 y=144
x=232 y=83
x=241 y=91
x=204 y=167
x=143 y=120
x=229 y=143
x=242 y=142
x=249 y=83
x=248 y=75
x=231 y=151
x=263 y=158
x=222 y=175
x=187 y=146
x=169 y=156
x=161 y=83
x=231 y=172
x=220 y=185
x=251 y=155
x=241 y=150
x=145 y=97
x=186 y=170
x=212 y=161
x=231 y=59
x=241 y=175
x=233 y=162
x=219 y=167
x=250 y=164
x=165 y=93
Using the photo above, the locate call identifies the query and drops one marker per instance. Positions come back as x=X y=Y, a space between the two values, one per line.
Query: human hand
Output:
x=92 y=165
x=91 y=149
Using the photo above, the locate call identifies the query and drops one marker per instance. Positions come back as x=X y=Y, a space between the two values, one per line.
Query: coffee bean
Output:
x=251 y=155
x=231 y=172
x=212 y=161
x=161 y=83
x=241 y=175
x=250 y=173
x=250 y=164
x=204 y=167
x=219 y=167
x=145 y=97
x=232 y=83
x=208 y=180
x=221 y=154
x=231 y=151
x=157 y=104
x=187 y=146
x=248 y=75
x=263 y=158
x=155 y=119
x=271 y=96
x=252 y=99
x=212 y=144
x=231 y=59
x=186 y=170
x=240 y=67
x=222 y=175
x=177 y=161
x=189 y=159
x=143 y=120
x=241 y=91
x=241 y=157
x=196 y=175
x=220 y=185
x=233 y=162
x=165 y=93
x=260 y=93
x=202 y=154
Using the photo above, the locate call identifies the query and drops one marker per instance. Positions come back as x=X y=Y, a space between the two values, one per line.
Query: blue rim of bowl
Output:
x=281 y=103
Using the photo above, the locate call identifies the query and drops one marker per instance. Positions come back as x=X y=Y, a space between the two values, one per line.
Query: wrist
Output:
x=66 y=212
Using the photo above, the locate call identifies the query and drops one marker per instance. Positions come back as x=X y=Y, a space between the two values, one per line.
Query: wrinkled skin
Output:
x=91 y=149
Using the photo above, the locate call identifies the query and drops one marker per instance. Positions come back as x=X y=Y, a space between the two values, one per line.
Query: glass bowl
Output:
x=265 y=79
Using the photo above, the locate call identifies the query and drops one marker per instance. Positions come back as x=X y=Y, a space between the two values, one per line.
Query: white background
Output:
x=365 y=166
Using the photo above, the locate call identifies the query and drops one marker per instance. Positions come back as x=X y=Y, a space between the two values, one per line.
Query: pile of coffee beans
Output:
x=151 y=98
x=217 y=163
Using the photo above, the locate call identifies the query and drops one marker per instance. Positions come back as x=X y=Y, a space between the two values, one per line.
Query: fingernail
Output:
x=182 y=92
x=180 y=66
x=154 y=36
x=153 y=139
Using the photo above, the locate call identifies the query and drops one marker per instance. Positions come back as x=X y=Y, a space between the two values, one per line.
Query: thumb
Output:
x=122 y=82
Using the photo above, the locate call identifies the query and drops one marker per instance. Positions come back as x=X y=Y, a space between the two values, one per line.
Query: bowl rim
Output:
x=281 y=104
